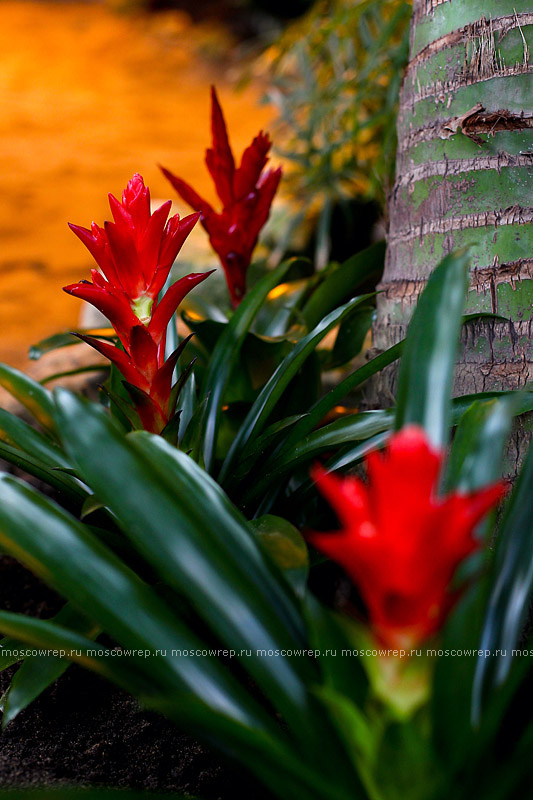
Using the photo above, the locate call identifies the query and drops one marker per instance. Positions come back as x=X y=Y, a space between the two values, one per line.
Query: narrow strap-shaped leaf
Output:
x=38 y=672
x=351 y=428
x=323 y=406
x=183 y=524
x=68 y=373
x=28 y=636
x=427 y=366
x=477 y=449
x=8 y=655
x=34 y=397
x=226 y=354
x=14 y=431
x=511 y=589
x=60 y=340
x=57 y=478
x=62 y=551
x=271 y=393
x=187 y=529
x=474 y=462
x=345 y=280
x=266 y=754
x=522 y=402
x=348 y=457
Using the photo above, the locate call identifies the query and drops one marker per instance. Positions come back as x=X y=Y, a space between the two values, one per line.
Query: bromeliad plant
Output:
x=326 y=711
x=135 y=254
x=246 y=193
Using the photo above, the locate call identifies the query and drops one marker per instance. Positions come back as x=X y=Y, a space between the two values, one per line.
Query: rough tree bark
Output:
x=464 y=176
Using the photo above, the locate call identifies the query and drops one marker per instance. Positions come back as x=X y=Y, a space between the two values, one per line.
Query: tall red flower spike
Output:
x=246 y=193
x=135 y=254
x=399 y=542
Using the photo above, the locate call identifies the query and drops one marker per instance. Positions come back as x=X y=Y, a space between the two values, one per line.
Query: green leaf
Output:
x=259 y=448
x=278 y=310
x=78 y=371
x=59 y=340
x=323 y=406
x=62 y=551
x=351 y=337
x=477 y=450
x=522 y=402
x=427 y=366
x=347 y=429
x=341 y=672
x=338 y=285
x=17 y=433
x=265 y=753
x=510 y=593
x=73 y=490
x=34 y=397
x=188 y=404
x=48 y=637
x=286 y=546
x=38 y=672
x=182 y=523
x=7 y=646
x=271 y=393
x=225 y=356
x=178 y=518
x=347 y=458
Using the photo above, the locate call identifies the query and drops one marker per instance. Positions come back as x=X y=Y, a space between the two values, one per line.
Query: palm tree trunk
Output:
x=464 y=177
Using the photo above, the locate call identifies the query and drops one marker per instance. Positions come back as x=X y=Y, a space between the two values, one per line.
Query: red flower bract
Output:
x=135 y=254
x=399 y=542
x=246 y=193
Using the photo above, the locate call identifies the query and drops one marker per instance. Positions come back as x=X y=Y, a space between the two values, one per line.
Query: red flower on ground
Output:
x=135 y=254
x=400 y=543
x=246 y=193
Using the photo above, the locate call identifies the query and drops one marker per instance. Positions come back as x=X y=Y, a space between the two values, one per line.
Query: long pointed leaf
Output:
x=427 y=366
x=271 y=394
x=226 y=354
x=511 y=589
x=14 y=431
x=34 y=397
x=37 y=673
x=45 y=538
x=183 y=524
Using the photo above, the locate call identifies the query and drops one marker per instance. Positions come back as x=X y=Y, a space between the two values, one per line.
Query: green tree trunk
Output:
x=464 y=176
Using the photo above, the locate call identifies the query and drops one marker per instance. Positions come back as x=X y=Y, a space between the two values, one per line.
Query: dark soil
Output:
x=83 y=731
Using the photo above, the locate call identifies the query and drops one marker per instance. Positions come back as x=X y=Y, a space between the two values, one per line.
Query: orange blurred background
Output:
x=89 y=97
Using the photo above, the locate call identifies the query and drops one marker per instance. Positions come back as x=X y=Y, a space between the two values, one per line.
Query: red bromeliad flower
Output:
x=246 y=193
x=135 y=254
x=400 y=543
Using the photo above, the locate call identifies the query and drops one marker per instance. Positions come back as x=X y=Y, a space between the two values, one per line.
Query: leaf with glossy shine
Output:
x=63 y=552
x=350 y=338
x=271 y=394
x=347 y=429
x=38 y=672
x=78 y=371
x=34 y=397
x=226 y=353
x=65 y=483
x=286 y=546
x=345 y=280
x=178 y=518
x=318 y=411
x=59 y=340
x=17 y=433
x=427 y=367
x=511 y=589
